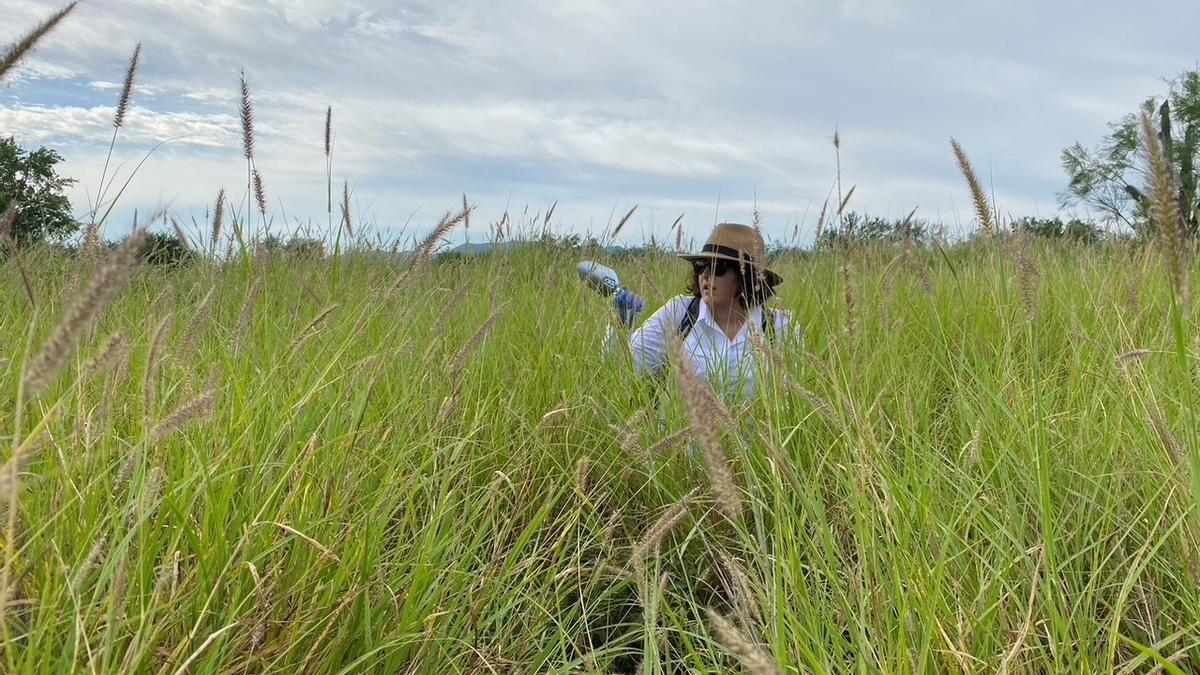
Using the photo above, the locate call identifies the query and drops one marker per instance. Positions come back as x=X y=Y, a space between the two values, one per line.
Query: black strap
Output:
x=693 y=311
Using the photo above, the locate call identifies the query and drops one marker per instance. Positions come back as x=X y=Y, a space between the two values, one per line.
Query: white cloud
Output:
x=665 y=104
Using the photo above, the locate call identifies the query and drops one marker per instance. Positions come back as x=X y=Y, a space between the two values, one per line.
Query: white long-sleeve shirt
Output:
x=729 y=365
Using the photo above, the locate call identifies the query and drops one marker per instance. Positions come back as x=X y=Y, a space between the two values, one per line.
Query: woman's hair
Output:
x=753 y=288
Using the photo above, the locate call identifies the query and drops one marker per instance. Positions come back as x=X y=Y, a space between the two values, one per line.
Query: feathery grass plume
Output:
x=448 y=308
x=752 y=656
x=460 y=360
x=158 y=345
x=1164 y=208
x=738 y=585
x=114 y=349
x=821 y=220
x=583 y=470
x=699 y=401
x=260 y=193
x=851 y=326
x=127 y=87
x=184 y=240
x=315 y=326
x=199 y=406
x=329 y=132
x=1027 y=272
x=247 y=311
x=247 y=116
x=19 y=49
x=346 y=221
x=650 y=542
x=1169 y=440
x=845 y=201
x=621 y=225
x=86 y=305
x=197 y=322
x=976 y=446
x=1123 y=361
x=425 y=250
x=669 y=443
x=218 y=221
x=551 y=418
x=89 y=563
x=982 y=210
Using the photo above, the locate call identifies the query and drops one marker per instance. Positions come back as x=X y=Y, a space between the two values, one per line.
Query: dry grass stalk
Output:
x=1169 y=440
x=182 y=236
x=198 y=407
x=752 y=656
x=976 y=446
x=551 y=418
x=315 y=326
x=248 y=305
x=89 y=564
x=158 y=345
x=1027 y=272
x=218 y=220
x=127 y=87
x=7 y=221
x=982 y=211
x=481 y=333
x=705 y=422
x=199 y=319
x=87 y=304
x=114 y=349
x=738 y=585
x=583 y=471
x=845 y=201
x=19 y=49
x=1164 y=208
x=621 y=224
x=448 y=308
x=851 y=326
x=821 y=220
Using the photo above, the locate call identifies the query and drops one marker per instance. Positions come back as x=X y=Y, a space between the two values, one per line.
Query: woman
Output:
x=729 y=284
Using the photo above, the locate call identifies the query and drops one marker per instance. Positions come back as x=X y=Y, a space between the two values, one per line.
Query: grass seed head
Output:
x=127 y=87
x=982 y=210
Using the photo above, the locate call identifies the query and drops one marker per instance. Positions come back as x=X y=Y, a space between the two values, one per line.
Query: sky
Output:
x=707 y=109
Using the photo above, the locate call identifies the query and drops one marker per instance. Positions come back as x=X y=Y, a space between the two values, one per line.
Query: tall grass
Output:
x=958 y=488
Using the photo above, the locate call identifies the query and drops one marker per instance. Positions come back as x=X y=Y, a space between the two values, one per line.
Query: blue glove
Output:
x=629 y=306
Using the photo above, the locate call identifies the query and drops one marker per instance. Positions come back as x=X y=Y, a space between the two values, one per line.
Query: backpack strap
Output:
x=689 y=318
x=693 y=311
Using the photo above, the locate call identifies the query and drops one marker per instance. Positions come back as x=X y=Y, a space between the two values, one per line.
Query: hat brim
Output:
x=773 y=279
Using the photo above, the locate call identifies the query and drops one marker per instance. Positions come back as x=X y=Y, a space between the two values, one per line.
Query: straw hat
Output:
x=739 y=243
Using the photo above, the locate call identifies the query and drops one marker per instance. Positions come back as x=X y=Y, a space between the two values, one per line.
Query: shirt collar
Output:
x=705 y=316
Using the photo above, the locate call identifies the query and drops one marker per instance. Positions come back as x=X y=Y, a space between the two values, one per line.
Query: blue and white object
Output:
x=599 y=277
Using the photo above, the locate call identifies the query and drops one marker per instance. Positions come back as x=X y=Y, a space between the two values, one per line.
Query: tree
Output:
x=1109 y=178
x=43 y=211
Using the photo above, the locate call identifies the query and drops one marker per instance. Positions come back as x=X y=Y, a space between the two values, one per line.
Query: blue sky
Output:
x=702 y=108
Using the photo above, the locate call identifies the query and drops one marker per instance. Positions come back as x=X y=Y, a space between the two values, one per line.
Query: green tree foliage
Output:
x=1056 y=228
x=1110 y=177
x=31 y=178
x=867 y=228
x=165 y=250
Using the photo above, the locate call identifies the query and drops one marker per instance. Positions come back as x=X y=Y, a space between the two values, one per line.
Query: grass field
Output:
x=981 y=461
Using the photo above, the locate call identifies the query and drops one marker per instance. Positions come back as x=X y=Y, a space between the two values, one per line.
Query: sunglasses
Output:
x=719 y=267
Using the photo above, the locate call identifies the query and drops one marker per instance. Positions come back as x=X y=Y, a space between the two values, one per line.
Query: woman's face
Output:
x=718 y=282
